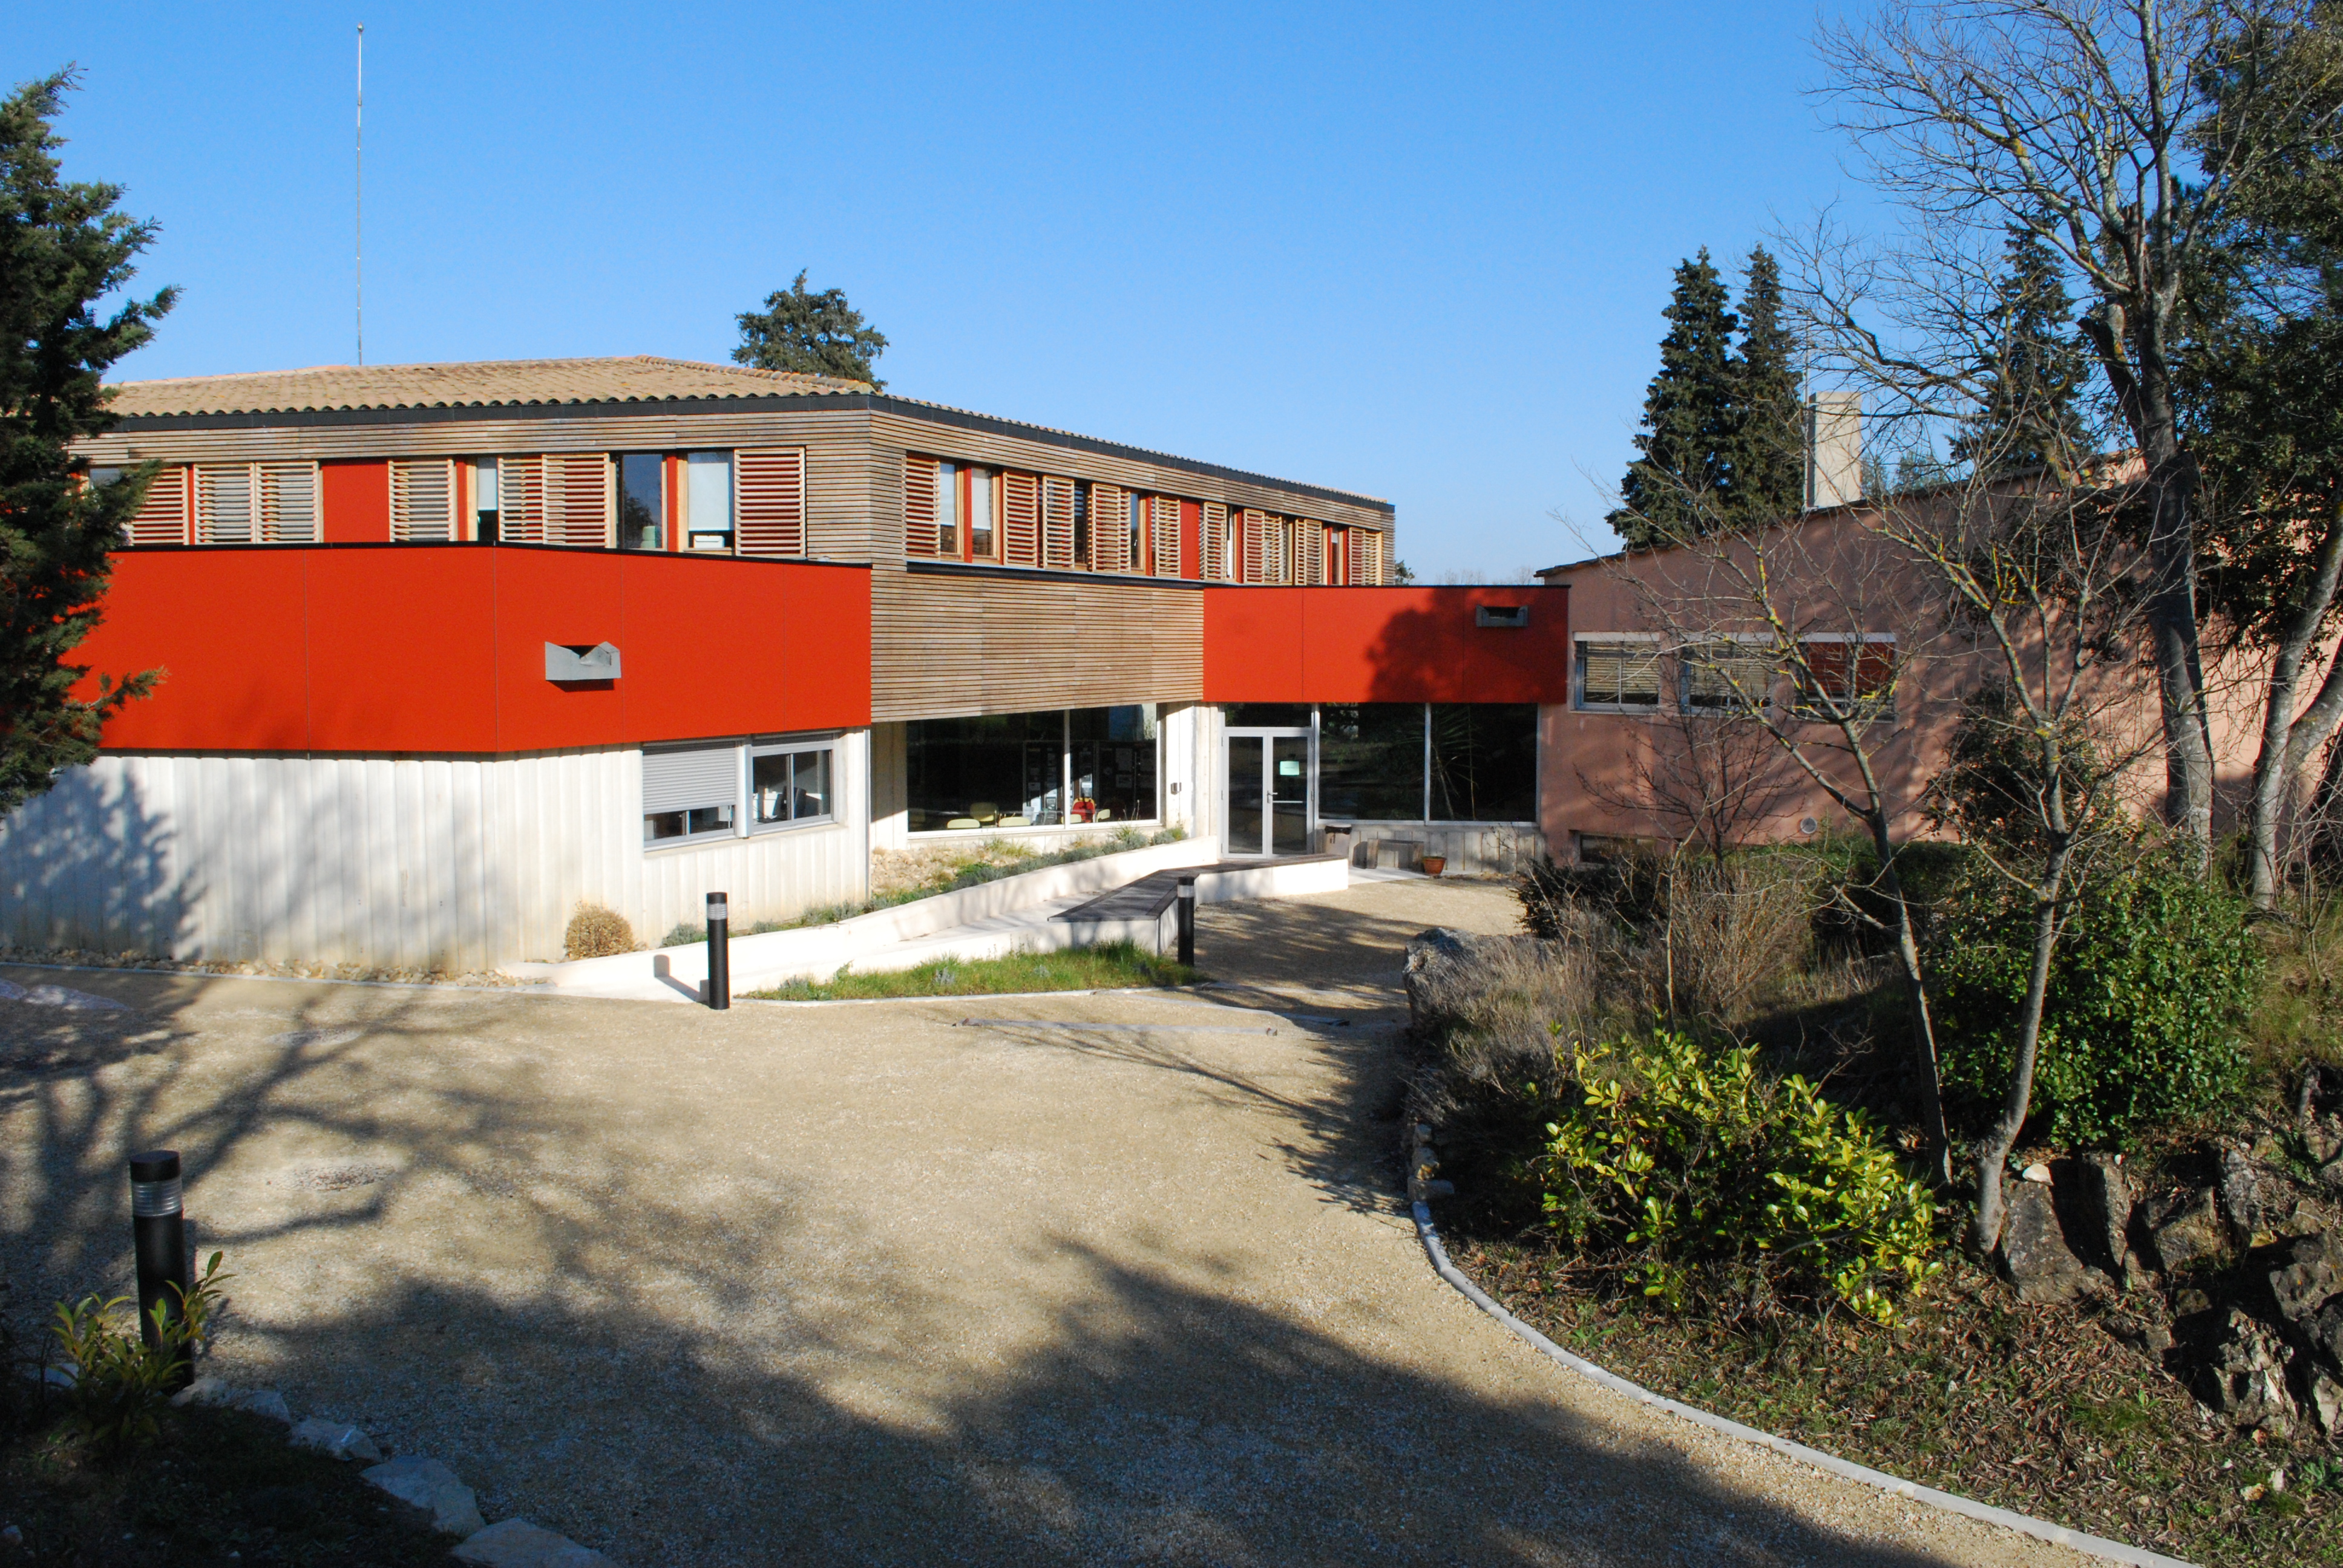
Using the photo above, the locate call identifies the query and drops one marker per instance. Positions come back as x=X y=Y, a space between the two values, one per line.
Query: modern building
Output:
x=445 y=649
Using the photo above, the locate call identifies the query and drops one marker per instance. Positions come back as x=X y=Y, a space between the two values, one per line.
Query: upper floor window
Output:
x=708 y=501
x=1846 y=675
x=1724 y=677
x=642 y=501
x=1621 y=675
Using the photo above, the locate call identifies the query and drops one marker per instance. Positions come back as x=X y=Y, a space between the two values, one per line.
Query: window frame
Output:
x=1685 y=669
x=1578 y=698
x=751 y=752
x=1804 y=698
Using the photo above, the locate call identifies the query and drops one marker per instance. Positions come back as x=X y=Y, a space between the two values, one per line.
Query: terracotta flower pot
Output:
x=1433 y=864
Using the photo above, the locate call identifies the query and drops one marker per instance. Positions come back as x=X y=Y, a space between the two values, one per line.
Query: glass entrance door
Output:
x=1268 y=792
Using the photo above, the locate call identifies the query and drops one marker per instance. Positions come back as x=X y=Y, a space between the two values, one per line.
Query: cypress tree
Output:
x=1766 y=477
x=64 y=250
x=2035 y=370
x=814 y=333
x=1678 y=485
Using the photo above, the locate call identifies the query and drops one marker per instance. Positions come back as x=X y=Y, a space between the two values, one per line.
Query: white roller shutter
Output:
x=684 y=779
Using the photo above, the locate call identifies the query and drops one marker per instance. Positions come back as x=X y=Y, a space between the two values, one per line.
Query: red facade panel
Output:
x=1384 y=645
x=354 y=503
x=442 y=648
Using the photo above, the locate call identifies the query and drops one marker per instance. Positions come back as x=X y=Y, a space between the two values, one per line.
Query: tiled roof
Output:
x=485 y=383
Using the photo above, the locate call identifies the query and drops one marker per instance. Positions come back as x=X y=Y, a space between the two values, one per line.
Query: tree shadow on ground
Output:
x=679 y=1361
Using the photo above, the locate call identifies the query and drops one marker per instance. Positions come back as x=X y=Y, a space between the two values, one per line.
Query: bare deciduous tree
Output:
x=2085 y=122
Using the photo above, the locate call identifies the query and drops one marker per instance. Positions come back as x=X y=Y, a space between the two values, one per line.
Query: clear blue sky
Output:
x=1415 y=251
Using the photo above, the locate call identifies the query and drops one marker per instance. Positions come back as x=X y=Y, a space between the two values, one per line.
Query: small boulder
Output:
x=518 y=1544
x=2189 y=1231
x=2311 y=1279
x=431 y=1486
x=264 y=1401
x=2034 y=1252
x=2096 y=1207
x=335 y=1438
x=205 y=1390
x=2327 y=1403
x=2245 y=1377
x=2324 y=1332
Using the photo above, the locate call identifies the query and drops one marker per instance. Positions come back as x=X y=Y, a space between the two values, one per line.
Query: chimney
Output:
x=1834 y=449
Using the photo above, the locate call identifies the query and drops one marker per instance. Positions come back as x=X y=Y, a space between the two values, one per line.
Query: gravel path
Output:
x=886 y=1283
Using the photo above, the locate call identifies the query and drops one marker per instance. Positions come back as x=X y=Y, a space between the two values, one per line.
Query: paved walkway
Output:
x=1039 y=1280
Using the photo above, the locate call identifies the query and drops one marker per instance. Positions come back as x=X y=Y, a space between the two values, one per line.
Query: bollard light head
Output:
x=716 y=907
x=157 y=1165
x=1188 y=888
x=154 y=1184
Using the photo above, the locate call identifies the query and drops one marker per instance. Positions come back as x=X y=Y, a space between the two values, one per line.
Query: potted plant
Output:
x=1433 y=864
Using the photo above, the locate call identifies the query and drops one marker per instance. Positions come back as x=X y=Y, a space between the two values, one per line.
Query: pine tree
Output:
x=2036 y=371
x=1765 y=478
x=63 y=249
x=814 y=333
x=1678 y=485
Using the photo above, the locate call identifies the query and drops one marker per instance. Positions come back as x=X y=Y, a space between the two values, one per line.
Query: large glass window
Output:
x=1034 y=769
x=642 y=501
x=1371 y=760
x=1483 y=763
x=1112 y=752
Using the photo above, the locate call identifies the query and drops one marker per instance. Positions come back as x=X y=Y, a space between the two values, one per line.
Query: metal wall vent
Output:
x=567 y=663
x=1512 y=615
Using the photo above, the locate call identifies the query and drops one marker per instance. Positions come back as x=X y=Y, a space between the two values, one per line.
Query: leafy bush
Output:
x=2153 y=979
x=1684 y=1156
x=119 y=1381
x=597 y=932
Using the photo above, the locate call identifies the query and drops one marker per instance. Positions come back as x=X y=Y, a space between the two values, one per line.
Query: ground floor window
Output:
x=1050 y=769
x=1415 y=761
x=695 y=792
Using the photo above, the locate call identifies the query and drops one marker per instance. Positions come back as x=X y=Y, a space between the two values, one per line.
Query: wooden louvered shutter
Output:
x=1354 y=556
x=1253 y=541
x=768 y=502
x=1309 y=551
x=578 y=499
x=1163 y=536
x=1374 y=560
x=520 y=501
x=422 y=499
x=1214 y=554
x=162 y=517
x=1056 y=523
x=288 y=502
x=1110 y=529
x=1020 y=520
x=919 y=505
x=224 y=503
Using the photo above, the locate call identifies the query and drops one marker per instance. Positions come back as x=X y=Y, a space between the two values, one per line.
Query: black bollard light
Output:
x=1188 y=922
x=159 y=1235
x=720 y=953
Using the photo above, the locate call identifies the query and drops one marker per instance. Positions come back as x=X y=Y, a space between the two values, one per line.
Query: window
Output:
x=484 y=500
x=983 y=537
x=788 y=785
x=1338 y=557
x=642 y=501
x=1724 y=677
x=948 y=510
x=1134 y=511
x=1845 y=669
x=1082 y=525
x=1047 y=769
x=708 y=501
x=1621 y=675
x=689 y=793
x=255 y=503
x=557 y=498
x=1371 y=760
x=1483 y=764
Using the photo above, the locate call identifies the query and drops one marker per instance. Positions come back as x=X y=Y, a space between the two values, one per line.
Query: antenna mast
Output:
x=361 y=195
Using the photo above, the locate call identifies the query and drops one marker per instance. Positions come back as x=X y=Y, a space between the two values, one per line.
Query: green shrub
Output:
x=1684 y=1156
x=119 y=1381
x=2154 y=977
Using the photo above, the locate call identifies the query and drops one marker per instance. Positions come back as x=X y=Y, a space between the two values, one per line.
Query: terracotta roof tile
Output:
x=485 y=383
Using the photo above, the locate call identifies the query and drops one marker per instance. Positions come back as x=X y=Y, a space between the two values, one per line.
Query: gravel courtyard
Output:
x=1064 y=1279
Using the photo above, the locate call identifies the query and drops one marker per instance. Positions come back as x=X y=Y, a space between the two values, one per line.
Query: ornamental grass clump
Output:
x=1698 y=1174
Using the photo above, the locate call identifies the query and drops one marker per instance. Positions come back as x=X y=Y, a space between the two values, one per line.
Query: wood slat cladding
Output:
x=1020 y=520
x=951 y=645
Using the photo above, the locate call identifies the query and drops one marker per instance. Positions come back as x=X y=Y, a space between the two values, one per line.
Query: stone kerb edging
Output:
x=425 y=1484
x=1419 y=1166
